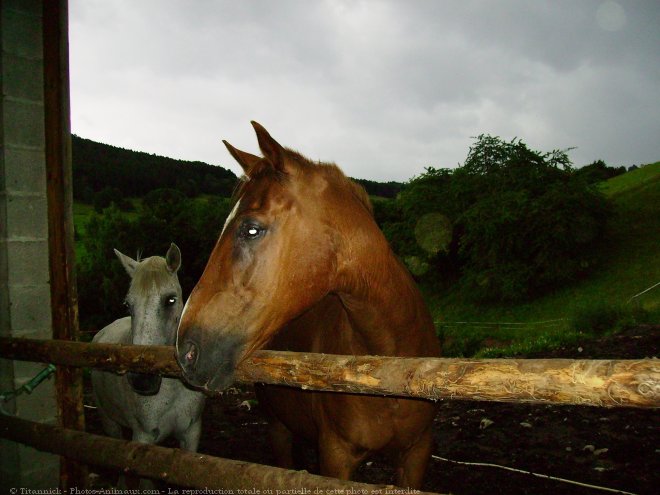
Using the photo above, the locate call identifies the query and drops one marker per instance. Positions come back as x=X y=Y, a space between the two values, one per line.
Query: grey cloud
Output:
x=384 y=88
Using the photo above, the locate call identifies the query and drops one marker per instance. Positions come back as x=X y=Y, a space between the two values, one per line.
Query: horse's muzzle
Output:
x=144 y=384
x=208 y=363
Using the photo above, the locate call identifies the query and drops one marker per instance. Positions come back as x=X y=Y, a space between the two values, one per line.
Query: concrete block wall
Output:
x=24 y=273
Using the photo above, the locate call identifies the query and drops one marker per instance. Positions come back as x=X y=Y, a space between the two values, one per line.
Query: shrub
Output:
x=518 y=222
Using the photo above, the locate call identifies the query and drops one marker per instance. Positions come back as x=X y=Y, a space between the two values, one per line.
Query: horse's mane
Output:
x=338 y=175
x=150 y=272
x=330 y=170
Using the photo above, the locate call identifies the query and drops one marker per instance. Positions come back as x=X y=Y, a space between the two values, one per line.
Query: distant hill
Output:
x=98 y=167
x=119 y=172
x=382 y=189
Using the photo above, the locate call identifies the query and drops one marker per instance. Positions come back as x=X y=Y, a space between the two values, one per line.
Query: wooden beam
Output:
x=605 y=383
x=176 y=466
x=157 y=360
x=64 y=298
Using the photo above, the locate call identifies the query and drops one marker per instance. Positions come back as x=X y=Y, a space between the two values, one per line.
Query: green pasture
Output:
x=631 y=264
x=632 y=180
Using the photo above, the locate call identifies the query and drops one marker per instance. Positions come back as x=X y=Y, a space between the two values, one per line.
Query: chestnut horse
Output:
x=301 y=265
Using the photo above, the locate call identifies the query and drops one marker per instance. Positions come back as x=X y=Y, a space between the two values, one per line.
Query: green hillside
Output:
x=631 y=265
x=636 y=179
x=634 y=252
x=102 y=169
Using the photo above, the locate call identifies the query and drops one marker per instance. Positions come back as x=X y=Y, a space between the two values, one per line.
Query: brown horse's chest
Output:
x=369 y=423
x=372 y=423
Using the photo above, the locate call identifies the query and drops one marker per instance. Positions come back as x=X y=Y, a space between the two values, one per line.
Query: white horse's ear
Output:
x=128 y=263
x=173 y=258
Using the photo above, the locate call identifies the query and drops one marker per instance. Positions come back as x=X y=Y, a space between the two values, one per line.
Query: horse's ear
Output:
x=272 y=150
x=173 y=258
x=128 y=263
x=246 y=160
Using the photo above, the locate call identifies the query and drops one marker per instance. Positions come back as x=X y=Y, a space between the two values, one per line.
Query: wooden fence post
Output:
x=64 y=299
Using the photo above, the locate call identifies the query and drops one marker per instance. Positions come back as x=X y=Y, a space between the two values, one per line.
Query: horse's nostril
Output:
x=190 y=354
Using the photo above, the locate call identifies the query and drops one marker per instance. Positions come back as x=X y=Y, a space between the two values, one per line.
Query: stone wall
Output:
x=24 y=273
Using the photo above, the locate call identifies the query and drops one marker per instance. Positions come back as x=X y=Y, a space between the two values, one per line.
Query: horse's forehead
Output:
x=265 y=193
x=152 y=277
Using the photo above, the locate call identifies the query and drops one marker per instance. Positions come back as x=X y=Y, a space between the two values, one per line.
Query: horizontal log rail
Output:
x=605 y=383
x=180 y=467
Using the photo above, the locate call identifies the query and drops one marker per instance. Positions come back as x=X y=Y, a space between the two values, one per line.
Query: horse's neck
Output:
x=386 y=309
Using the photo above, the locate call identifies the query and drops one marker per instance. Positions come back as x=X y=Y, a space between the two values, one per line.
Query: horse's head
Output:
x=154 y=303
x=279 y=253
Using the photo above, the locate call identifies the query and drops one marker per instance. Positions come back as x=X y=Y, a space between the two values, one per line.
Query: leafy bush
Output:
x=532 y=225
x=518 y=221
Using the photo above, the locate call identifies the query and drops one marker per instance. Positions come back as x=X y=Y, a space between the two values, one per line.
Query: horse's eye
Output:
x=169 y=301
x=250 y=231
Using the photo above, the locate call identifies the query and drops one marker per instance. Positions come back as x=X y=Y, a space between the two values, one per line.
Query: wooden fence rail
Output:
x=605 y=383
x=180 y=467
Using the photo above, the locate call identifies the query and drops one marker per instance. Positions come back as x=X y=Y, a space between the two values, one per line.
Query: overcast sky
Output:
x=382 y=88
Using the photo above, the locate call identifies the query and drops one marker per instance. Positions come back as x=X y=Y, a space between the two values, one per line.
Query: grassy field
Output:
x=632 y=265
x=636 y=179
x=81 y=214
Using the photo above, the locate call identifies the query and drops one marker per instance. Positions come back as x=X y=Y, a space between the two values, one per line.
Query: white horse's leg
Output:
x=189 y=439
x=114 y=430
x=135 y=482
x=110 y=427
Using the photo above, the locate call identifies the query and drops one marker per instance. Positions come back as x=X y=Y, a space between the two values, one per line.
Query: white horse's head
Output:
x=155 y=305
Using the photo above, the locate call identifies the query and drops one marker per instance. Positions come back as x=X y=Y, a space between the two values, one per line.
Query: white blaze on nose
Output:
x=176 y=343
x=231 y=216
x=185 y=306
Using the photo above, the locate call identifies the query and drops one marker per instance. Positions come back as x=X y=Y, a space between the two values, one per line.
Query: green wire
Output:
x=27 y=387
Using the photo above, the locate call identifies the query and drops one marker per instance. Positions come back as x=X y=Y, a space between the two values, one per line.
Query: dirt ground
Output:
x=616 y=449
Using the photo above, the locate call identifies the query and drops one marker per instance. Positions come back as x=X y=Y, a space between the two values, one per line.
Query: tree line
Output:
x=103 y=174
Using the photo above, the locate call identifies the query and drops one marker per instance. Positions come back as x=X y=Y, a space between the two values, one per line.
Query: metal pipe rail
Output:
x=604 y=383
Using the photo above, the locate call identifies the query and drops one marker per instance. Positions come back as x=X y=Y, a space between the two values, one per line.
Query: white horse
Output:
x=151 y=406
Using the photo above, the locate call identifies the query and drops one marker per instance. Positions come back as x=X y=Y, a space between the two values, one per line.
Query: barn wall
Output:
x=24 y=269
